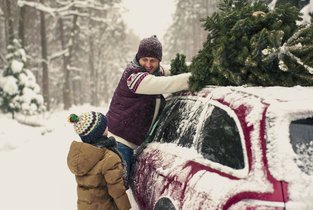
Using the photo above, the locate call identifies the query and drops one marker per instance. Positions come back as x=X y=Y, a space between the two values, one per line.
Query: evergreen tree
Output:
x=248 y=44
x=19 y=91
x=178 y=65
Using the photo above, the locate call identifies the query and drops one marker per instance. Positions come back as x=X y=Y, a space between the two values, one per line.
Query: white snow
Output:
x=16 y=66
x=305 y=11
x=20 y=88
x=9 y=85
x=34 y=172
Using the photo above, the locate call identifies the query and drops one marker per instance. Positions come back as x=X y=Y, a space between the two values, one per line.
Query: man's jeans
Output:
x=127 y=154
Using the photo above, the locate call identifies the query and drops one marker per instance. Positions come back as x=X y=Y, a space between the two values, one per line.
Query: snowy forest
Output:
x=66 y=56
x=70 y=52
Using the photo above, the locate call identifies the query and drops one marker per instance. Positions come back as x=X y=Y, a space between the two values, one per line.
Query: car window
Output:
x=221 y=140
x=178 y=122
x=191 y=123
x=168 y=129
x=301 y=136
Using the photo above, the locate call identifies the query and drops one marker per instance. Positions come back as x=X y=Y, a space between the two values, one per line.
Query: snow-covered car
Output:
x=229 y=148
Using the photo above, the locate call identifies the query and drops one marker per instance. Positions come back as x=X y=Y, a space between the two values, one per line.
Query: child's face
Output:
x=105 y=133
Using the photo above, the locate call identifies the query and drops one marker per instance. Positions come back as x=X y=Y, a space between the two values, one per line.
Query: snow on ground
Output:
x=34 y=173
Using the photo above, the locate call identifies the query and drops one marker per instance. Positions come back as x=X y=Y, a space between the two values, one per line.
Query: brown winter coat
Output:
x=99 y=173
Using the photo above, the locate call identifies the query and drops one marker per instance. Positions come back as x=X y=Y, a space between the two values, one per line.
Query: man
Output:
x=137 y=98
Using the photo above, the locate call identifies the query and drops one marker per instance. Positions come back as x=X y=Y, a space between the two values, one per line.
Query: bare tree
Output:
x=80 y=53
x=66 y=62
x=44 y=57
x=2 y=35
x=21 y=26
x=9 y=22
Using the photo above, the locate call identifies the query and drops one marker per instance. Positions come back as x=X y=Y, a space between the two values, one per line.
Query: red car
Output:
x=229 y=148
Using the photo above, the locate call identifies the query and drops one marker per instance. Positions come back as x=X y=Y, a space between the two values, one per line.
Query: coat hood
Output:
x=82 y=157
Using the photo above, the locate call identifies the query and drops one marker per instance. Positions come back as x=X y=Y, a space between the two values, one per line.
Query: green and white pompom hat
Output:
x=89 y=126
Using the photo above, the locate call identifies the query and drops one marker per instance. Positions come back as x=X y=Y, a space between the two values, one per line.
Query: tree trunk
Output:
x=2 y=34
x=67 y=97
x=194 y=42
x=9 y=22
x=44 y=55
x=66 y=85
x=21 y=27
x=76 y=92
x=93 y=77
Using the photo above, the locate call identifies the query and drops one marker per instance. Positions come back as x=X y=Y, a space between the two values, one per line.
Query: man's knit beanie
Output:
x=89 y=126
x=150 y=47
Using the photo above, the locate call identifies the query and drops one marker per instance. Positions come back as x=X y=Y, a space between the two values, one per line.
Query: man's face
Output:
x=149 y=63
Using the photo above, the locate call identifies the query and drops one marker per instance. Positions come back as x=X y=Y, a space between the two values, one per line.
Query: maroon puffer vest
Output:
x=130 y=115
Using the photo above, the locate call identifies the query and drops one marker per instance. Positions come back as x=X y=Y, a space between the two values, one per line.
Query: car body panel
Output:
x=190 y=181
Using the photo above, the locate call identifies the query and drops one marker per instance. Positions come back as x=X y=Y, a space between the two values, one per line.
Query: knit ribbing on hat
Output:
x=150 y=47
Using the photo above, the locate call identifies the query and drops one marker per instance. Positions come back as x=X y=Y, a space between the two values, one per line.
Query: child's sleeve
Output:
x=113 y=174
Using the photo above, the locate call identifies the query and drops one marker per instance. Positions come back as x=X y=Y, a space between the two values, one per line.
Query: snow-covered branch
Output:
x=73 y=68
x=72 y=12
x=90 y=5
x=84 y=4
x=296 y=35
x=100 y=20
x=58 y=54
x=286 y=51
x=3 y=58
x=1 y=13
x=272 y=5
x=65 y=9
x=37 y=6
x=295 y=58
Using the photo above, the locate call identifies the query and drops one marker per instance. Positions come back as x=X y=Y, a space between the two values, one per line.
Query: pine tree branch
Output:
x=304 y=77
x=296 y=35
x=286 y=50
x=3 y=58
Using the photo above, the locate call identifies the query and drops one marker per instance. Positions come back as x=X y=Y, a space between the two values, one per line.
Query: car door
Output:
x=192 y=140
x=159 y=169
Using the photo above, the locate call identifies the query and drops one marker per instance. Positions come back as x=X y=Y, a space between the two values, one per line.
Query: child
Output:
x=97 y=166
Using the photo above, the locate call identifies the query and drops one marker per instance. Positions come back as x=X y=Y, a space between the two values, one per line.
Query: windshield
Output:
x=301 y=135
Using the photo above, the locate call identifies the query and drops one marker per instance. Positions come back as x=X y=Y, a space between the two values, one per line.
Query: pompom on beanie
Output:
x=150 y=47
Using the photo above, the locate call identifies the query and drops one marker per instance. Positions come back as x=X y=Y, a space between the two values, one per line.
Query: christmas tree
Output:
x=19 y=91
x=178 y=65
x=249 y=44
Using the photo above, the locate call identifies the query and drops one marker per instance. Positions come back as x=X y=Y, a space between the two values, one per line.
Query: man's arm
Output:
x=145 y=83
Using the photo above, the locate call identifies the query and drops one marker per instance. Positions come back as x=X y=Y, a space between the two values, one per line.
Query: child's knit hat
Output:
x=150 y=47
x=89 y=126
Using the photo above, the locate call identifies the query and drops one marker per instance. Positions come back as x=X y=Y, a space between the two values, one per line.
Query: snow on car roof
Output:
x=282 y=100
x=267 y=93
